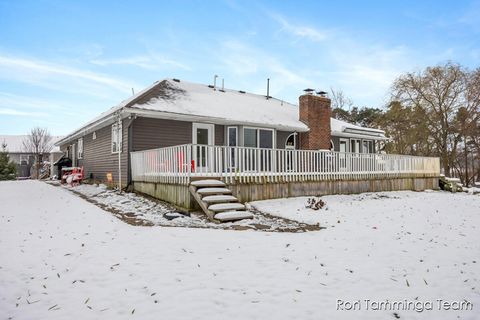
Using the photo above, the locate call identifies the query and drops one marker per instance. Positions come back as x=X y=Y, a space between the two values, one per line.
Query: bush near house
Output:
x=447 y=185
x=8 y=169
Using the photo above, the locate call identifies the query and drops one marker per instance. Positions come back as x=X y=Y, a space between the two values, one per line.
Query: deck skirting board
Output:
x=180 y=196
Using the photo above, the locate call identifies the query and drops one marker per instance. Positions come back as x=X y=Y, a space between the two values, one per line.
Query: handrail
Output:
x=177 y=164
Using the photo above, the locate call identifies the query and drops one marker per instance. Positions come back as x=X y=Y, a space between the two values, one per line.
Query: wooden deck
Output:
x=239 y=165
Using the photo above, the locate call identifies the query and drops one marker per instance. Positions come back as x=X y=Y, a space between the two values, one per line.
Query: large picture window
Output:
x=258 y=138
x=116 y=138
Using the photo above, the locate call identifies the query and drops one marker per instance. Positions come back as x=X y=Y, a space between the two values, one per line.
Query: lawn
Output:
x=62 y=257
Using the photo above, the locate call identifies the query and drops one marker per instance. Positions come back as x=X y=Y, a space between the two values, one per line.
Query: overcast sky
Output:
x=63 y=62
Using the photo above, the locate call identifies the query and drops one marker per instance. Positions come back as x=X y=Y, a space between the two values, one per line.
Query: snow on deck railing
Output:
x=177 y=164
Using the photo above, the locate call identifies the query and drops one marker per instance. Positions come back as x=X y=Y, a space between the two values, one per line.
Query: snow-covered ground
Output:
x=139 y=210
x=62 y=257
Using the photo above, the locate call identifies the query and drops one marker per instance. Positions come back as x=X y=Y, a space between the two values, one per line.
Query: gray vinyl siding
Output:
x=336 y=143
x=98 y=159
x=149 y=133
x=219 y=135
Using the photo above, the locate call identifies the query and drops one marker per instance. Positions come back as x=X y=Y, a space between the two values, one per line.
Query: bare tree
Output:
x=440 y=92
x=340 y=100
x=38 y=142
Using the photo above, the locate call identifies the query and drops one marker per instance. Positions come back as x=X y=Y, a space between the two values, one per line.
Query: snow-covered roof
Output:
x=15 y=143
x=187 y=101
x=221 y=106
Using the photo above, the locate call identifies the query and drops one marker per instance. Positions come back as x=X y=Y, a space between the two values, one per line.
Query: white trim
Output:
x=211 y=142
x=211 y=132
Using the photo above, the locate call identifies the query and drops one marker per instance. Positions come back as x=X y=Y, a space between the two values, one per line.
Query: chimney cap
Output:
x=309 y=90
x=321 y=93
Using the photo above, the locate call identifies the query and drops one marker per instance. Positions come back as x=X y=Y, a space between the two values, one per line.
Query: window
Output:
x=232 y=141
x=355 y=145
x=290 y=142
x=94 y=136
x=250 y=137
x=265 y=139
x=23 y=159
x=80 y=148
x=258 y=138
x=232 y=136
x=343 y=145
x=116 y=138
x=368 y=146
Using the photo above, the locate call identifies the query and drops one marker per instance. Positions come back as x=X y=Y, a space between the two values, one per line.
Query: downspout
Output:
x=130 y=148
x=119 y=132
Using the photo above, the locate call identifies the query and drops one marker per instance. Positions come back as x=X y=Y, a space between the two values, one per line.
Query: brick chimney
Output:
x=315 y=112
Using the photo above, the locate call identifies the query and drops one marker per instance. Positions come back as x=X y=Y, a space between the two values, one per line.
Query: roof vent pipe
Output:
x=215 y=82
x=223 y=85
x=268 y=88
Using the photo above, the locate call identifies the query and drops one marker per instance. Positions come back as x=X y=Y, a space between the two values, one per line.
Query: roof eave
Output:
x=215 y=120
x=359 y=136
x=100 y=123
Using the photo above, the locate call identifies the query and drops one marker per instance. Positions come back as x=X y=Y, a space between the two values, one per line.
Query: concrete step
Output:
x=212 y=191
x=207 y=183
x=219 y=199
x=233 y=215
x=226 y=207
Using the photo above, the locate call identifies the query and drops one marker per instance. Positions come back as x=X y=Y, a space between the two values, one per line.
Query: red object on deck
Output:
x=193 y=165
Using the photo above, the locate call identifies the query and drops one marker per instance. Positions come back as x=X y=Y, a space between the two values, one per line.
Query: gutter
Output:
x=207 y=119
x=91 y=127
x=359 y=136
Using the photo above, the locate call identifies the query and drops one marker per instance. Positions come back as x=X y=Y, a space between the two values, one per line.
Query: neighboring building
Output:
x=23 y=159
x=173 y=112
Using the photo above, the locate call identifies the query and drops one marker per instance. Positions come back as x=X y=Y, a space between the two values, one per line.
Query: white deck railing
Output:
x=178 y=164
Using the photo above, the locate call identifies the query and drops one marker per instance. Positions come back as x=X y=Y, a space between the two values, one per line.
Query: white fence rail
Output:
x=178 y=164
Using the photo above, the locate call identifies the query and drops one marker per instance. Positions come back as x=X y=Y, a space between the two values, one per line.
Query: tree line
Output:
x=431 y=112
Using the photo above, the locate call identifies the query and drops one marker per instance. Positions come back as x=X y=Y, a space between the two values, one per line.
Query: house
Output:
x=25 y=159
x=176 y=131
x=173 y=112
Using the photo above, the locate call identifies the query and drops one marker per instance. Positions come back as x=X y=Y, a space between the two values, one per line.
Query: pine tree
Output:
x=8 y=169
